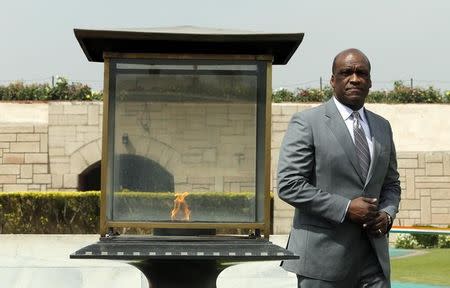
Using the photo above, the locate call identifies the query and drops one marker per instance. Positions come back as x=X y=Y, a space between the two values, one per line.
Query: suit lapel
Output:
x=337 y=126
x=377 y=134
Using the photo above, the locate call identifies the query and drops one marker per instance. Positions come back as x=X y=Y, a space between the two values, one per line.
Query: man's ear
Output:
x=370 y=83
x=332 y=81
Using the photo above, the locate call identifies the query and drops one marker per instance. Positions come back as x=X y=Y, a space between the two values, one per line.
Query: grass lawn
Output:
x=430 y=268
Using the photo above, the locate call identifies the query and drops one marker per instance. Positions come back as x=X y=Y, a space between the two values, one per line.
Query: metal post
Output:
x=412 y=83
x=320 y=83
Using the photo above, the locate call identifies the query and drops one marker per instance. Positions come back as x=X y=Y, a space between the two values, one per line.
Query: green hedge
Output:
x=49 y=212
x=78 y=212
x=62 y=90
x=400 y=94
x=76 y=91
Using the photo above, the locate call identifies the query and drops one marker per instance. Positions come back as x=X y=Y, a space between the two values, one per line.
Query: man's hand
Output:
x=362 y=210
x=377 y=226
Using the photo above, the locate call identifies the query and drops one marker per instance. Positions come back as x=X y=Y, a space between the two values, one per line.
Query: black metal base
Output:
x=187 y=261
x=181 y=273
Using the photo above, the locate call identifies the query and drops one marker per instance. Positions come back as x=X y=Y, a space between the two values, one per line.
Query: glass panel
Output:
x=184 y=141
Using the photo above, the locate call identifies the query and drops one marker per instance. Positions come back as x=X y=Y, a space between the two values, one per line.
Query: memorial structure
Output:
x=195 y=106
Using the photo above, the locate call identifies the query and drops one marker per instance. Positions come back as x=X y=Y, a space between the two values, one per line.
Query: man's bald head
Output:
x=347 y=52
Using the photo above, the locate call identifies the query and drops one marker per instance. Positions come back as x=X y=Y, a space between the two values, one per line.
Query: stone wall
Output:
x=75 y=140
x=24 y=157
x=47 y=151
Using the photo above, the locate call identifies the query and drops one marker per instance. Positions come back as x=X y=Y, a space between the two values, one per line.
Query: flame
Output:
x=180 y=203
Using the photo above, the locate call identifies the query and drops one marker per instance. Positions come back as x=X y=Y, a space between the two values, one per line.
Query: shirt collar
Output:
x=346 y=112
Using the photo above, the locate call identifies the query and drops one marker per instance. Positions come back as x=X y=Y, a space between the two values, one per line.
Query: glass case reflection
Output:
x=183 y=137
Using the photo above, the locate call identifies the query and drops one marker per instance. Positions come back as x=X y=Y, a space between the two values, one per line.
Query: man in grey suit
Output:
x=338 y=168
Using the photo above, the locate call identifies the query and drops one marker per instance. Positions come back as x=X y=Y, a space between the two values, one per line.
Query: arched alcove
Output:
x=89 y=179
x=136 y=173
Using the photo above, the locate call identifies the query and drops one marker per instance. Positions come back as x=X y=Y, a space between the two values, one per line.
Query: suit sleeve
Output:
x=390 y=191
x=296 y=169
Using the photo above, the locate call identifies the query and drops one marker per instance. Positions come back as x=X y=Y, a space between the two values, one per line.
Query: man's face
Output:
x=351 y=79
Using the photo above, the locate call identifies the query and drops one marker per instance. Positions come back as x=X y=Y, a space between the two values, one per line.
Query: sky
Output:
x=403 y=39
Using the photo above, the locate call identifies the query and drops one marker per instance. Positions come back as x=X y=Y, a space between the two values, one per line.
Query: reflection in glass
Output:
x=184 y=137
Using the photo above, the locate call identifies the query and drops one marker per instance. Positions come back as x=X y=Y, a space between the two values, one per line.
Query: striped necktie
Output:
x=362 y=148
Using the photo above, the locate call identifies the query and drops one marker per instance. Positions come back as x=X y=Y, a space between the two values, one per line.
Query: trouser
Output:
x=365 y=273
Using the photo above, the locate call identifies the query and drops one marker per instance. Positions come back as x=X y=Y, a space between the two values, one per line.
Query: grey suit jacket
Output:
x=318 y=173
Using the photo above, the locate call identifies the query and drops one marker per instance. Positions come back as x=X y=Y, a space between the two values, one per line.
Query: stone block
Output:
x=28 y=137
x=25 y=181
x=4 y=145
x=440 y=203
x=406 y=155
x=276 y=109
x=34 y=187
x=408 y=222
x=28 y=147
x=402 y=172
x=40 y=168
x=440 y=194
x=419 y=172
x=57 y=181
x=8 y=137
x=60 y=168
x=75 y=109
x=73 y=146
x=15 y=187
x=284 y=213
x=433 y=157
x=93 y=112
x=446 y=163
x=42 y=179
x=425 y=210
x=407 y=163
x=410 y=184
x=209 y=155
x=282 y=226
x=55 y=141
x=421 y=160
x=36 y=158
x=279 y=127
x=60 y=151
x=91 y=153
x=59 y=131
x=59 y=159
x=77 y=163
x=74 y=119
x=433 y=185
x=26 y=171
x=415 y=214
x=433 y=179
x=403 y=214
x=13 y=158
x=424 y=192
x=70 y=181
x=8 y=179
x=43 y=143
x=439 y=210
x=55 y=108
x=219 y=120
x=440 y=218
x=9 y=169
x=289 y=109
x=10 y=129
x=434 y=169
x=42 y=129
x=410 y=204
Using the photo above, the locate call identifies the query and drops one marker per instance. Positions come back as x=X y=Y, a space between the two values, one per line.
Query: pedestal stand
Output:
x=190 y=262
